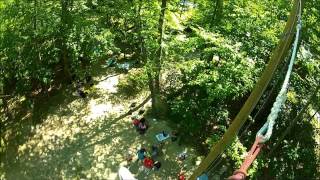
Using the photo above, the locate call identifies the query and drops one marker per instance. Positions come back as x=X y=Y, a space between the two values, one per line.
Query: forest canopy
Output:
x=198 y=60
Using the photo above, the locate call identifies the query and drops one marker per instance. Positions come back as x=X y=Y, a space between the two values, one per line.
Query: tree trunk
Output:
x=218 y=11
x=65 y=26
x=151 y=88
x=35 y=14
x=142 y=52
x=158 y=61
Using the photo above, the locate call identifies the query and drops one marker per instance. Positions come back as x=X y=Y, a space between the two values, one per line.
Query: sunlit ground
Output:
x=85 y=140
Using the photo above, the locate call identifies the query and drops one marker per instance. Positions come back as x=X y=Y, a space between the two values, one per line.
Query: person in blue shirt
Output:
x=141 y=154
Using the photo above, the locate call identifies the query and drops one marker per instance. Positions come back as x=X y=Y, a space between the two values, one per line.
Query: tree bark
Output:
x=218 y=10
x=156 y=97
x=35 y=14
x=142 y=52
x=65 y=26
x=158 y=60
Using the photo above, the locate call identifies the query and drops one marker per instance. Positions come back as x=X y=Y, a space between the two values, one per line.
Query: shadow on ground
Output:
x=90 y=139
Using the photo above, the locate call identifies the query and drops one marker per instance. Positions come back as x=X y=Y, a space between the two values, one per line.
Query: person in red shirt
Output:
x=181 y=176
x=136 y=122
x=148 y=163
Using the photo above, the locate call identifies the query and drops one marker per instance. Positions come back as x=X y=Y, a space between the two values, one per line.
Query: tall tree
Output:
x=218 y=10
x=154 y=81
x=65 y=27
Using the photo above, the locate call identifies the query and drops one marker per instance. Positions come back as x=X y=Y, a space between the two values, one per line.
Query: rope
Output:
x=266 y=130
x=215 y=163
x=294 y=121
x=266 y=101
x=232 y=131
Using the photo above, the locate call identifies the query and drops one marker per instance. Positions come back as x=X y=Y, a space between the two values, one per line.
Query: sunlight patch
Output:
x=85 y=140
x=97 y=110
x=109 y=85
x=181 y=37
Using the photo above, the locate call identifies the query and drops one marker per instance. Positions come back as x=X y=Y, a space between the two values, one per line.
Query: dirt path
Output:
x=85 y=140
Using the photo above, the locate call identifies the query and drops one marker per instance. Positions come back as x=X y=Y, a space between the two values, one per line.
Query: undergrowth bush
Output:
x=134 y=83
x=221 y=74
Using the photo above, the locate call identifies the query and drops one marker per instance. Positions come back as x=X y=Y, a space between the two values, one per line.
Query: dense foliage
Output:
x=210 y=53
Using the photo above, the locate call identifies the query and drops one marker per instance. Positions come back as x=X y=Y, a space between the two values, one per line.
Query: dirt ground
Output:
x=90 y=139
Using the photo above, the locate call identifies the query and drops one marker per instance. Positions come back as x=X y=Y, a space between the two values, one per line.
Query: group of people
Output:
x=140 y=123
x=148 y=159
